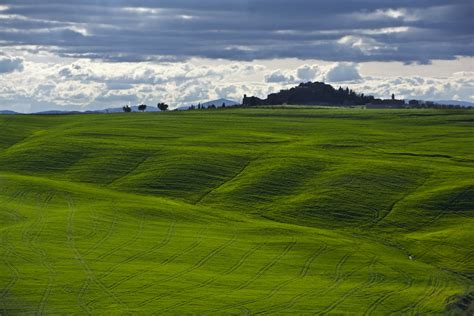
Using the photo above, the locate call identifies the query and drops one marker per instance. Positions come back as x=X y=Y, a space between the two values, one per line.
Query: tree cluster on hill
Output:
x=162 y=106
x=312 y=93
x=209 y=106
x=142 y=107
x=319 y=93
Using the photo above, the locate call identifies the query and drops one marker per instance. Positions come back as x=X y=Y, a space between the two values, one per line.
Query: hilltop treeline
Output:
x=312 y=93
x=319 y=93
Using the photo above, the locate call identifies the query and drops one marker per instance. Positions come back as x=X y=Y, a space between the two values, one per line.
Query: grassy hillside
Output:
x=237 y=211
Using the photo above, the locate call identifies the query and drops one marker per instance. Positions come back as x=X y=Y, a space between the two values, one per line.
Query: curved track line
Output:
x=309 y=261
x=340 y=279
x=370 y=282
x=231 y=269
x=197 y=265
x=14 y=279
x=40 y=223
x=434 y=287
x=379 y=301
x=266 y=267
x=124 y=244
x=188 y=249
x=89 y=272
x=165 y=241
x=109 y=234
x=140 y=254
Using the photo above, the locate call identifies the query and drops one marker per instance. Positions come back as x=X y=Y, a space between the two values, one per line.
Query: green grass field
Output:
x=237 y=211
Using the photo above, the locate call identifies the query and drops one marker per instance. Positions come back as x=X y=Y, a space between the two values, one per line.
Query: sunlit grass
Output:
x=236 y=211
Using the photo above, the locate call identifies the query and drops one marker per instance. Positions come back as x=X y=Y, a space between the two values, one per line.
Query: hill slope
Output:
x=237 y=211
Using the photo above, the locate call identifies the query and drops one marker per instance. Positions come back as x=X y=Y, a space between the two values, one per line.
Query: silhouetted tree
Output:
x=223 y=104
x=127 y=109
x=142 y=107
x=163 y=106
x=393 y=96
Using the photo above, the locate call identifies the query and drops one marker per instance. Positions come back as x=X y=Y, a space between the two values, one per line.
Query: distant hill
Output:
x=57 y=112
x=8 y=112
x=217 y=103
x=252 y=210
x=455 y=102
x=149 y=108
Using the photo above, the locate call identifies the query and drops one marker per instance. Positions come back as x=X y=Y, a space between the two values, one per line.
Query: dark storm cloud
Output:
x=337 y=30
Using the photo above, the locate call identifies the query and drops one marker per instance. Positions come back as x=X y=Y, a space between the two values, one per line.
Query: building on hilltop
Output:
x=392 y=103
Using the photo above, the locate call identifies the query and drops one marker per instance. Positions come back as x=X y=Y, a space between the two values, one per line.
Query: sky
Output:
x=94 y=54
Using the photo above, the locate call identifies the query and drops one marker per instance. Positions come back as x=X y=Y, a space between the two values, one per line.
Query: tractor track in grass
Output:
x=197 y=265
x=203 y=260
x=14 y=197
x=166 y=261
x=94 y=225
x=15 y=275
x=206 y=283
x=88 y=280
x=125 y=244
x=380 y=300
x=134 y=257
x=83 y=305
x=259 y=273
x=339 y=265
x=89 y=272
x=244 y=258
x=17 y=195
x=310 y=260
x=109 y=234
x=433 y=287
x=266 y=267
x=339 y=278
x=32 y=238
x=140 y=254
x=269 y=295
x=187 y=250
x=303 y=273
x=373 y=278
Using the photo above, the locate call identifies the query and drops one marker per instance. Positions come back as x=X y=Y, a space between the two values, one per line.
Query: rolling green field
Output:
x=237 y=211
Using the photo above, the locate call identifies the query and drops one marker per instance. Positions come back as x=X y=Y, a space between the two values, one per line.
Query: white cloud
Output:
x=307 y=72
x=343 y=72
x=415 y=87
x=278 y=76
x=83 y=84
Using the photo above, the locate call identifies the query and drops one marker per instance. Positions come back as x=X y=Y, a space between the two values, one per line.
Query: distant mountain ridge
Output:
x=455 y=102
x=8 y=112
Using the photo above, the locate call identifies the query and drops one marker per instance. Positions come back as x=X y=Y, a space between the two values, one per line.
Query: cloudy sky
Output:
x=90 y=54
